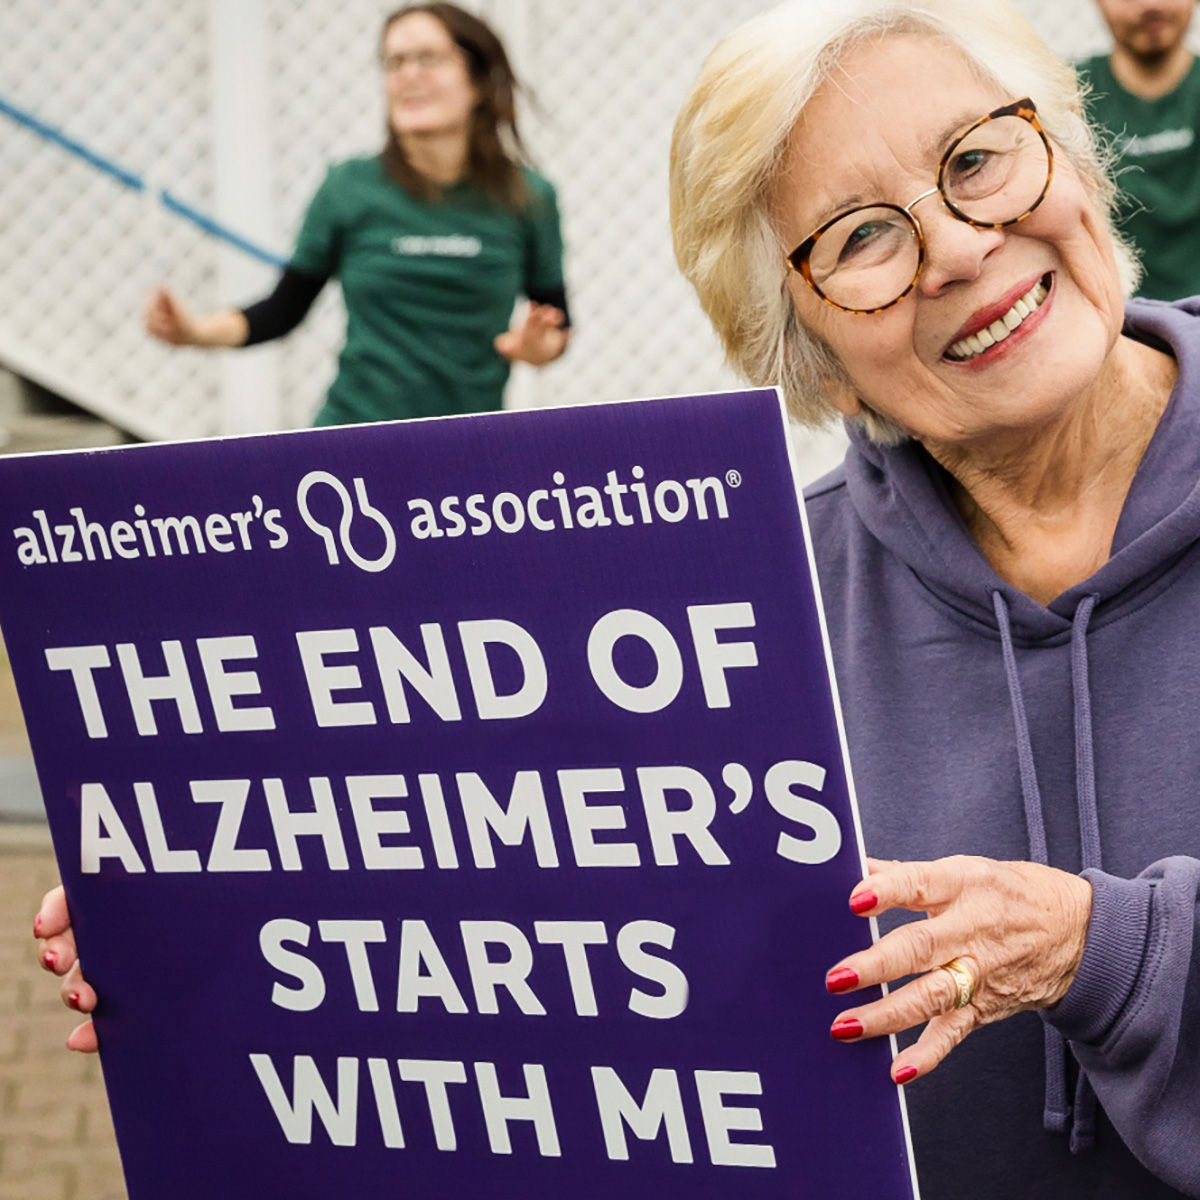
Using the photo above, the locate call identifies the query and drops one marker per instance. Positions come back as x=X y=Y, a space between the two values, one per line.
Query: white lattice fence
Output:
x=132 y=82
x=79 y=249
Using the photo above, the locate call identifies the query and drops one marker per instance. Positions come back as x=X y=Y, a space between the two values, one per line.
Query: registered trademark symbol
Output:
x=733 y=478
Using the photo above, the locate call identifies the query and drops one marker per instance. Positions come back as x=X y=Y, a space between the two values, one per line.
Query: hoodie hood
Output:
x=900 y=494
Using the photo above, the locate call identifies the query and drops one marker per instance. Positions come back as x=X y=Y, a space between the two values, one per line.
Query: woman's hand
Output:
x=1017 y=927
x=169 y=321
x=539 y=339
x=56 y=952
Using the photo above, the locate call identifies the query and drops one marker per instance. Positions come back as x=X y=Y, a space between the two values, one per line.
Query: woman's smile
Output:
x=997 y=330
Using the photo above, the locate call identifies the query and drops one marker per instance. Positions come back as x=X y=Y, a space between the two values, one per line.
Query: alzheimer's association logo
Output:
x=341 y=542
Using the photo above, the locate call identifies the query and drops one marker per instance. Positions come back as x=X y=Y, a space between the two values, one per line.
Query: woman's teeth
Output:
x=976 y=343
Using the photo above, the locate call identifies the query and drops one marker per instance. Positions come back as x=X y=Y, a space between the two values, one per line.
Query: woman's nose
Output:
x=954 y=250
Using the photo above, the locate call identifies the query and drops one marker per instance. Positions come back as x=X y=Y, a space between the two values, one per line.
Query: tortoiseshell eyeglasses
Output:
x=992 y=176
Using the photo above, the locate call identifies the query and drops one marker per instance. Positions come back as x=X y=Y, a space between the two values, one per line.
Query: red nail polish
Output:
x=37 y=926
x=841 y=979
x=73 y=999
x=905 y=1074
x=847 y=1029
x=49 y=958
x=863 y=902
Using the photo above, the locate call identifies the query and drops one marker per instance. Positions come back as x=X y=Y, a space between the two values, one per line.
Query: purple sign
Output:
x=454 y=806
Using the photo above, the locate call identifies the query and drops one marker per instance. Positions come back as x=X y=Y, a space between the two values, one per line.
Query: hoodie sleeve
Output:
x=1132 y=1014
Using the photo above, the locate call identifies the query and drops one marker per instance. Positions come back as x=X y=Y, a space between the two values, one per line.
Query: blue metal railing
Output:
x=136 y=183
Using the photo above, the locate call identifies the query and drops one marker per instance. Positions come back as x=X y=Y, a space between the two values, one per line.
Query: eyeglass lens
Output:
x=993 y=176
x=424 y=60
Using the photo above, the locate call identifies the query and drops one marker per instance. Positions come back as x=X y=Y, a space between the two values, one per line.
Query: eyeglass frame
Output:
x=424 y=60
x=1023 y=108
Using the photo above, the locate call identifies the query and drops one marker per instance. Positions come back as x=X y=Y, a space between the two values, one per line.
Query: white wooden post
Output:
x=243 y=199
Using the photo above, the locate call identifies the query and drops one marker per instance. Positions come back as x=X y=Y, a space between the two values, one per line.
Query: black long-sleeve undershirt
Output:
x=278 y=314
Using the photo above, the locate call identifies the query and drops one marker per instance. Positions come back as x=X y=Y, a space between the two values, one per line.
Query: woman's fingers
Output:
x=58 y=954
x=933 y=1000
x=52 y=917
x=930 y=1000
x=937 y=1039
x=166 y=319
x=538 y=339
x=911 y=949
x=930 y=995
x=83 y=1039
x=158 y=311
x=56 y=939
x=916 y=886
x=76 y=992
x=546 y=315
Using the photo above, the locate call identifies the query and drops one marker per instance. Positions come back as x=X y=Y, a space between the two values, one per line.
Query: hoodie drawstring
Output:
x=1083 y=1130
x=1056 y=1114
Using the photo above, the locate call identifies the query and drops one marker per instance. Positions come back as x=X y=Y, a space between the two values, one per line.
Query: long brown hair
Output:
x=495 y=152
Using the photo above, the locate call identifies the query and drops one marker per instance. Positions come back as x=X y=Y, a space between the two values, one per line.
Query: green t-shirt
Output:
x=427 y=286
x=1158 y=174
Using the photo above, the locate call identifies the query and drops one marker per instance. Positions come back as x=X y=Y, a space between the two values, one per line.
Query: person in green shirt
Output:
x=432 y=241
x=1146 y=95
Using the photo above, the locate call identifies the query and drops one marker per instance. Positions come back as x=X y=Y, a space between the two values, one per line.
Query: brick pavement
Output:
x=56 y=1137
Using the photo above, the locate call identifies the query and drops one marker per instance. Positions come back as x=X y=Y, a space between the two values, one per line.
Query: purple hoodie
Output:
x=981 y=722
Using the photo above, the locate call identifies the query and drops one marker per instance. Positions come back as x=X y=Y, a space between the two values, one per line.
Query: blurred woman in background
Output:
x=432 y=241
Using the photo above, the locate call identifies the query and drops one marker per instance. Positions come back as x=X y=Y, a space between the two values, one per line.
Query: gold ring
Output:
x=964 y=982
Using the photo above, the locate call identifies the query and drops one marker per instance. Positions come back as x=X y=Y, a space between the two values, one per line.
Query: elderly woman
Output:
x=896 y=210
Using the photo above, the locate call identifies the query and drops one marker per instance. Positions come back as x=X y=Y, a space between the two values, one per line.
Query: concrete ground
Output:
x=56 y=1136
